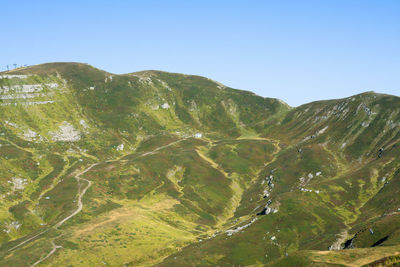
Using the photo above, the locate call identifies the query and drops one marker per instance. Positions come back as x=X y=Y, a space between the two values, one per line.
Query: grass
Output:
x=167 y=198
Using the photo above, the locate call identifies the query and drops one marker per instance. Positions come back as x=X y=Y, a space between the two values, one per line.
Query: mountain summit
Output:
x=156 y=168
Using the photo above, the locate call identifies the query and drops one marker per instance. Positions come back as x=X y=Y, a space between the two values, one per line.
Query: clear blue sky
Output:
x=298 y=51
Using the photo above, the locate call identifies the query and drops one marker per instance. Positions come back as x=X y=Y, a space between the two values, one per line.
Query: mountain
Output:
x=155 y=168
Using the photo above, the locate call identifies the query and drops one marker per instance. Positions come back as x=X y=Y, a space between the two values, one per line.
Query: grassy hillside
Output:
x=176 y=170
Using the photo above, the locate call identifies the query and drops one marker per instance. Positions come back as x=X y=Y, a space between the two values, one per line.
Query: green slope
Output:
x=177 y=170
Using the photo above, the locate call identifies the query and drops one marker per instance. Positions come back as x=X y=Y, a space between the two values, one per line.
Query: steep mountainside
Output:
x=159 y=168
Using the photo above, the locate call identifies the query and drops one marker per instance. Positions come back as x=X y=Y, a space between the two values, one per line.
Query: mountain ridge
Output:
x=65 y=64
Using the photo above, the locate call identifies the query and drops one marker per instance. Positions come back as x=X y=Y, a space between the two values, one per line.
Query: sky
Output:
x=297 y=51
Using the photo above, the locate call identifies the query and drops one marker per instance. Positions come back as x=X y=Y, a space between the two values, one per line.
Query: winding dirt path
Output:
x=27 y=240
x=160 y=148
x=80 y=206
x=81 y=193
x=55 y=247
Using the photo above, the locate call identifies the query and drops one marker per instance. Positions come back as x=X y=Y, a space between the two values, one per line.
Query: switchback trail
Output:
x=81 y=193
x=79 y=208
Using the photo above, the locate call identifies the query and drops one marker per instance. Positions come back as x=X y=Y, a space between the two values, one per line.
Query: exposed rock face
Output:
x=66 y=133
x=18 y=183
x=13 y=226
x=240 y=228
x=12 y=76
x=30 y=135
x=14 y=89
x=27 y=88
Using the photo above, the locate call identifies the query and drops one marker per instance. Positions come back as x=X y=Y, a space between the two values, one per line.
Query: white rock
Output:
x=268 y=210
x=14 y=225
x=20 y=96
x=237 y=229
x=18 y=183
x=165 y=106
x=37 y=102
x=30 y=135
x=66 y=133
x=83 y=123
x=28 y=103
x=11 y=124
x=13 y=76
x=322 y=130
x=27 y=88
